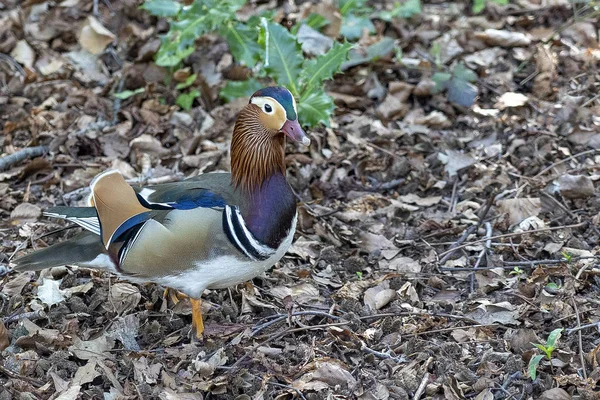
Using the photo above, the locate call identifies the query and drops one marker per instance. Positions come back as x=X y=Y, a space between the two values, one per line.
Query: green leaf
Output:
x=283 y=57
x=478 y=6
x=316 y=21
x=236 y=89
x=353 y=26
x=533 y=365
x=125 y=94
x=162 y=8
x=317 y=70
x=188 y=82
x=243 y=43
x=315 y=108
x=461 y=92
x=375 y=51
x=461 y=72
x=402 y=10
x=441 y=80
x=347 y=6
x=170 y=55
x=409 y=9
x=553 y=337
x=185 y=100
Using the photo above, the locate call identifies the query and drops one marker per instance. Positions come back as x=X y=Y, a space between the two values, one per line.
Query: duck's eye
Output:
x=268 y=108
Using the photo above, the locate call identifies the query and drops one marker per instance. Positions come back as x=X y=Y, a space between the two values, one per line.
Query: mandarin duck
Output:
x=212 y=231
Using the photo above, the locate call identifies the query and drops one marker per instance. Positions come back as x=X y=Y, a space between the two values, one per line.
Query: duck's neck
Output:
x=270 y=210
x=258 y=171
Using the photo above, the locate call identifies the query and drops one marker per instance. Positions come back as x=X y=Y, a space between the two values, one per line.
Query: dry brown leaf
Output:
x=4 y=342
x=575 y=186
x=379 y=296
x=26 y=212
x=511 y=99
x=94 y=37
x=124 y=297
x=495 y=37
x=23 y=53
x=519 y=209
x=144 y=372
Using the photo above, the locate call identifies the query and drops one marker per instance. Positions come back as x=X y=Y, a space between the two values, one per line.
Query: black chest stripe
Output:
x=240 y=237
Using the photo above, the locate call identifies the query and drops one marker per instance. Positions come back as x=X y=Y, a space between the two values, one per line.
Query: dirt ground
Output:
x=436 y=243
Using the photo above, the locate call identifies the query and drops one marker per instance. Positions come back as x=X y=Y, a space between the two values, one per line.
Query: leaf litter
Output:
x=448 y=218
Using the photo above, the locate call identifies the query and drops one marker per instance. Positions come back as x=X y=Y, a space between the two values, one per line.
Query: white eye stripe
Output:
x=266 y=104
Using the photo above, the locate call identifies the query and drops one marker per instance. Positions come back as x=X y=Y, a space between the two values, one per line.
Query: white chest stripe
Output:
x=236 y=230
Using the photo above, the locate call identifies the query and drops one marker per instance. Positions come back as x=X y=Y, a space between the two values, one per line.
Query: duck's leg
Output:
x=197 y=322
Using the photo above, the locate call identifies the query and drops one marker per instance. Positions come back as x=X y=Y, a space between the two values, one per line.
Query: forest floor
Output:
x=436 y=244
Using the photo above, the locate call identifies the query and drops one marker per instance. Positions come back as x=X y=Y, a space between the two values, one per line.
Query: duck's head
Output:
x=258 y=141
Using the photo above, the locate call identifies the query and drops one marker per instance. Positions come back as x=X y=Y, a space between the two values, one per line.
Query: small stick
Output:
x=507 y=235
x=422 y=386
x=14 y=375
x=581 y=327
x=579 y=339
x=33 y=315
x=28 y=152
x=564 y=160
x=379 y=354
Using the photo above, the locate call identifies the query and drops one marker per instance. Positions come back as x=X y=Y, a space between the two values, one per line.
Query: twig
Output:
x=488 y=244
x=453 y=328
x=33 y=315
x=379 y=354
x=411 y=313
x=14 y=375
x=485 y=209
x=281 y=317
x=579 y=339
x=28 y=152
x=422 y=386
x=506 y=235
x=564 y=160
x=581 y=327
x=278 y=335
x=288 y=387
x=13 y=62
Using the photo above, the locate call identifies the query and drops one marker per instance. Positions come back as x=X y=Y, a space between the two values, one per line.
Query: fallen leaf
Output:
x=575 y=186
x=4 y=342
x=379 y=296
x=495 y=37
x=312 y=41
x=86 y=374
x=99 y=347
x=94 y=37
x=144 y=372
x=72 y=393
x=420 y=201
x=23 y=54
x=26 y=212
x=49 y=292
x=511 y=99
x=455 y=161
x=519 y=209
x=124 y=297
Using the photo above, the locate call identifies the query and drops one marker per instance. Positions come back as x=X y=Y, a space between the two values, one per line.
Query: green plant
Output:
x=256 y=42
x=359 y=274
x=125 y=94
x=479 y=5
x=407 y=9
x=458 y=84
x=567 y=256
x=516 y=271
x=355 y=18
x=547 y=348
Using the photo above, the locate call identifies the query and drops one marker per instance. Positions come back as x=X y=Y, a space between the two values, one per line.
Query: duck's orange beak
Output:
x=294 y=131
